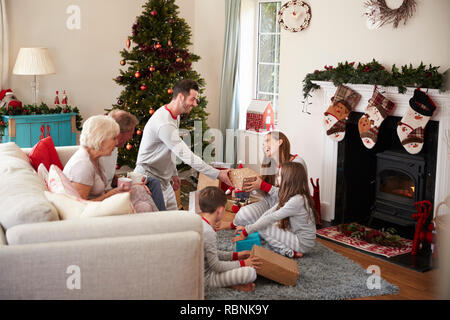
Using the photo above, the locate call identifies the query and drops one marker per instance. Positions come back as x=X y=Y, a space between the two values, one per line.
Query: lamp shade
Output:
x=33 y=61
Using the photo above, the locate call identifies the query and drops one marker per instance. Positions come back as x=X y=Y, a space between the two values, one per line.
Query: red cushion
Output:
x=44 y=152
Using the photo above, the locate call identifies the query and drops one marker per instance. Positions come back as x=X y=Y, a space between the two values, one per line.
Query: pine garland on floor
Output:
x=386 y=237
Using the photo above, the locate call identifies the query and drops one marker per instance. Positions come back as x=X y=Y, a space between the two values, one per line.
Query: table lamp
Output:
x=35 y=62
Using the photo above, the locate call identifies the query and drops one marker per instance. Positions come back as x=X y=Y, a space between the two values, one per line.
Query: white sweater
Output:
x=160 y=146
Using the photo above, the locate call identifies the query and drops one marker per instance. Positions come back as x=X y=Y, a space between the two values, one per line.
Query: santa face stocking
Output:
x=344 y=100
x=411 y=129
x=377 y=110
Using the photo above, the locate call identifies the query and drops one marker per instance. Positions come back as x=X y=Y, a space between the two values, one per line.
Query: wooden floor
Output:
x=413 y=285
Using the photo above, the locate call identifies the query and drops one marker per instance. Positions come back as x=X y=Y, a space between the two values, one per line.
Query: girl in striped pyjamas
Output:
x=289 y=227
x=277 y=149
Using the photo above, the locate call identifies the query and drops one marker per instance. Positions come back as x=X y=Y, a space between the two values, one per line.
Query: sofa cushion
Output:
x=44 y=152
x=59 y=183
x=72 y=208
x=22 y=195
x=115 y=205
x=43 y=173
x=68 y=207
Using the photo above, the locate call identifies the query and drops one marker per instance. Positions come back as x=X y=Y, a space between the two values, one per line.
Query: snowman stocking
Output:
x=377 y=110
x=344 y=100
x=411 y=129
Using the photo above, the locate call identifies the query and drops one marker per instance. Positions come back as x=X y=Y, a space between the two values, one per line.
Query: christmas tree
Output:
x=156 y=57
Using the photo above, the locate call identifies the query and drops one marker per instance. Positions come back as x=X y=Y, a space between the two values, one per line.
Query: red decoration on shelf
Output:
x=260 y=116
x=64 y=99
x=57 y=98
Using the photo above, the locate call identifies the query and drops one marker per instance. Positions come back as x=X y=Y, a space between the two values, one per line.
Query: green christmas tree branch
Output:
x=156 y=59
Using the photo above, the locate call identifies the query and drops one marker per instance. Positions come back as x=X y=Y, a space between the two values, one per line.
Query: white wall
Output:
x=87 y=60
x=338 y=33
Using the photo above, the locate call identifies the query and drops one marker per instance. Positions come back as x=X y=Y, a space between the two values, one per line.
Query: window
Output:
x=259 y=60
x=268 y=52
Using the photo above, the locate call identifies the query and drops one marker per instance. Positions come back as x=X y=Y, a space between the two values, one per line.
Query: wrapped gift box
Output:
x=247 y=244
x=276 y=267
x=237 y=177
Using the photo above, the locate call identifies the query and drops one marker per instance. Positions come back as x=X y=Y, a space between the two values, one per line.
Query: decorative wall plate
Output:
x=295 y=16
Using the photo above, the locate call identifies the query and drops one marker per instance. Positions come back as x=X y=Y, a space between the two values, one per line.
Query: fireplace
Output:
x=359 y=167
x=399 y=184
x=378 y=187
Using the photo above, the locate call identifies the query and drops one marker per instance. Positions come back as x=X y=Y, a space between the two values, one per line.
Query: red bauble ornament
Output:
x=143 y=87
x=129 y=147
x=137 y=74
x=151 y=69
x=139 y=132
x=117 y=167
x=153 y=13
x=179 y=60
x=151 y=111
x=158 y=45
x=169 y=43
x=128 y=43
x=170 y=91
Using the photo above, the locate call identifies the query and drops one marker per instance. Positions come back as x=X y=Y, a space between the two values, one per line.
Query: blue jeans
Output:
x=154 y=186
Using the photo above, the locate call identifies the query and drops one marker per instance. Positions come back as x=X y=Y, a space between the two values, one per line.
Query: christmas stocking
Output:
x=377 y=110
x=411 y=129
x=344 y=100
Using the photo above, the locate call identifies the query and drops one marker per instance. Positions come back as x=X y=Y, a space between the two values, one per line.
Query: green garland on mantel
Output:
x=374 y=73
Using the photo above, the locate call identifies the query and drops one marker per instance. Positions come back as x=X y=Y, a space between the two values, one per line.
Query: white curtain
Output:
x=4 y=48
x=229 y=91
x=229 y=104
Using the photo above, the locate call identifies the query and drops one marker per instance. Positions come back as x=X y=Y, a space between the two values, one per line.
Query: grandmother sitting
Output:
x=98 y=139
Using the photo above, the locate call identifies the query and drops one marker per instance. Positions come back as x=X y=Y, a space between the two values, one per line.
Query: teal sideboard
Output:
x=26 y=131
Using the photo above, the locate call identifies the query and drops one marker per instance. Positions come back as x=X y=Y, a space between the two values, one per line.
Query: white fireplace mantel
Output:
x=330 y=147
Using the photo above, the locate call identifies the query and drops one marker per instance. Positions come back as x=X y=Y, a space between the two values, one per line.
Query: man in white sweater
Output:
x=161 y=144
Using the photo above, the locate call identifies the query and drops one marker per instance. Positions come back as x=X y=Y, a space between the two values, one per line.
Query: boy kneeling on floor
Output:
x=223 y=269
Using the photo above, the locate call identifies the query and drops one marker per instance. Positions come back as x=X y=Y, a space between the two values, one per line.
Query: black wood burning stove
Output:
x=399 y=184
x=378 y=187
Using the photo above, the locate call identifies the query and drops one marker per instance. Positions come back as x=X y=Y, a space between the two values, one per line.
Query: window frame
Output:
x=257 y=63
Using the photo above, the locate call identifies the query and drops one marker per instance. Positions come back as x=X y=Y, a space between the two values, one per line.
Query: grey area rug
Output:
x=324 y=275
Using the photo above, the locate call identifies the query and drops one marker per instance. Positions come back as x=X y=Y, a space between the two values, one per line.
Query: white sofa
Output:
x=135 y=256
